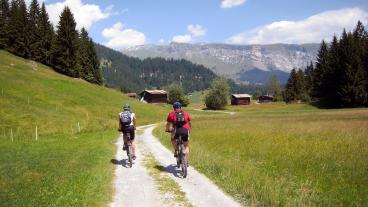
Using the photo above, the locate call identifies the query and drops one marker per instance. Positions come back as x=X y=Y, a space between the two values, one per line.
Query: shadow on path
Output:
x=123 y=162
x=170 y=169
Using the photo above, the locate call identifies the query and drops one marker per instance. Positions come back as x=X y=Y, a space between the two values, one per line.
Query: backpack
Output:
x=125 y=118
x=179 y=119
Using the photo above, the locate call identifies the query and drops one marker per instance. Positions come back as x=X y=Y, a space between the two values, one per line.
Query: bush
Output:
x=176 y=93
x=218 y=94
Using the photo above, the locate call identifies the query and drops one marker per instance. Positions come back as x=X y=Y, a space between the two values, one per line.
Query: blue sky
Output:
x=124 y=23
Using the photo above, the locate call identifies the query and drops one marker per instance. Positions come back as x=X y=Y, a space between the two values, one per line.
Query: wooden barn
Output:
x=131 y=95
x=265 y=99
x=240 y=99
x=154 y=96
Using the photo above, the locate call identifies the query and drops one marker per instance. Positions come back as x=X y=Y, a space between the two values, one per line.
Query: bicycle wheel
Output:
x=129 y=154
x=184 y=164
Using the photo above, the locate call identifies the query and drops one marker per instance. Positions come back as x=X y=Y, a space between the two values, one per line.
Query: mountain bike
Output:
x=181 y=161
x=129 y=149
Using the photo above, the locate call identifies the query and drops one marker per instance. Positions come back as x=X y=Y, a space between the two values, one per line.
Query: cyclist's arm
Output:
x=168 y=124
x=134 y=121
x=119 y=124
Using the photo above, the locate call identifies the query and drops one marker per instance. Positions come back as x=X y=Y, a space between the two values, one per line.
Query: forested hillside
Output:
x=133 y=74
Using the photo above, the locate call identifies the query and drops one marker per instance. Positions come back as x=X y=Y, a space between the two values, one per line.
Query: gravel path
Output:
x=134 y=186
x=214 y=111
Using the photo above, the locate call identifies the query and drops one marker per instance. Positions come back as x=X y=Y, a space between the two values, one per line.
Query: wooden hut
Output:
x=240 y=99
x=154 y=96
x=131 y=95
x=265 y=99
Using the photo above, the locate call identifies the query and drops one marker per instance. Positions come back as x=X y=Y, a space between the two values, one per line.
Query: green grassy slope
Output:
x=64 y=167
x=284 y=155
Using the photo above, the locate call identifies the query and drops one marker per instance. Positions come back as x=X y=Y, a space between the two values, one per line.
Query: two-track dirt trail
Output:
x=135 y=187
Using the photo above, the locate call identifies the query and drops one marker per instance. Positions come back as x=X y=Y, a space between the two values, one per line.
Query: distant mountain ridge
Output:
x=234 y=61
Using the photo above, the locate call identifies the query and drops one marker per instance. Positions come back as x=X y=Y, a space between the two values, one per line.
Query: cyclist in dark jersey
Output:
x=183 y=128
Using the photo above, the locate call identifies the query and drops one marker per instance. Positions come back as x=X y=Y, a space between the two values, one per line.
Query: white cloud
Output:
x=162 y=41
x=231 y=3
x=183 y=38
x=120 y=38
x=310 y=30
x=84 y=14
x=196 y=30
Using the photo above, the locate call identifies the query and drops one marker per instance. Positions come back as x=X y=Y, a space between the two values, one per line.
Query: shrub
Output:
x=218 y=94
x=176 y=93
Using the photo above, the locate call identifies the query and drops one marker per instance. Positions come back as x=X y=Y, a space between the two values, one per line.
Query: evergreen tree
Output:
x=65 y=45
x=19 y=22
x=300 y=88
x=84 y=65
x=95 y=62
x=4 y=22
x=309 y=72
x=290 y=90
x=87 y=60
x=34 y=33
x=46 y=33
x=352 y=86
x=322 y=66
x=12 y=27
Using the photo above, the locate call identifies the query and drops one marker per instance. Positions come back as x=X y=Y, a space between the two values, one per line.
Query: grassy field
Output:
x=283 y=155
x=68 y=165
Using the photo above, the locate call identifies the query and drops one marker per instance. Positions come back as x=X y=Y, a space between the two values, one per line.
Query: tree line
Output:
x=28 y=33
x=339 y=77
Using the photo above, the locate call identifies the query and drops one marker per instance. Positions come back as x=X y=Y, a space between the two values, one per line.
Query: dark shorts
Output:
x=183 y=132
x=129 y=130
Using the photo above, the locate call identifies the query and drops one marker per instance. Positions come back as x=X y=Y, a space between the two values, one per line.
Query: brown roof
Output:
x=156 y=91
x=241 y=95
x=131 y=94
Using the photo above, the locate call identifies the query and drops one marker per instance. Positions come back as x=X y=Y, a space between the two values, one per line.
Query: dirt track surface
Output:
x=135 y=187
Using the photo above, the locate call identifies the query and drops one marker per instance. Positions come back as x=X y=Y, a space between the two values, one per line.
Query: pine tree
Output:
x=20 y=45
x=290 y=90
x=4 y=22
x=12 y=27
x=352 y=86
x=46 y=33
x=300 y=88
x=97 y=74
x=309 y=72
x=87 y=60
x=84 y=65
x=322 y=66
x=65 y=45
x=34 y=34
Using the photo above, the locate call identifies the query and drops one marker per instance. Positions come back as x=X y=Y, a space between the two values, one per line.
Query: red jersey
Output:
x=171 y=118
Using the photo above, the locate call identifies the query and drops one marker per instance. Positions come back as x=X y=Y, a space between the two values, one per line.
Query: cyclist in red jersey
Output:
x=179 y=123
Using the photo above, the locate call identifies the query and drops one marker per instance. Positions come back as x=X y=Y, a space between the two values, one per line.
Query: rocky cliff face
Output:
x=234 y=61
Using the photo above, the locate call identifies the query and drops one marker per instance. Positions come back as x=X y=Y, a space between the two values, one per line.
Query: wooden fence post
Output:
x=78 y=127
x=11 y=134
x=36 y=133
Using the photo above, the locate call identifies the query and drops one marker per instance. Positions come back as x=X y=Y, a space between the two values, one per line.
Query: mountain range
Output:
x=242 y=63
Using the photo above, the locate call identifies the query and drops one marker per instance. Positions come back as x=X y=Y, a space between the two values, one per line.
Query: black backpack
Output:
x=125 y=118
x=179 y=119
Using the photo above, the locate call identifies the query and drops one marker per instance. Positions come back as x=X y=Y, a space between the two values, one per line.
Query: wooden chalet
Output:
x=265 y=99
x=154 y=96
x=131 y=95
x=240 y=99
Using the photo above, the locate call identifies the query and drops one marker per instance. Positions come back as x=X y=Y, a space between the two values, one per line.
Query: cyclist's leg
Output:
x=186 y=144
x=132 y=136
x=125 y=138
x=173 y=140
